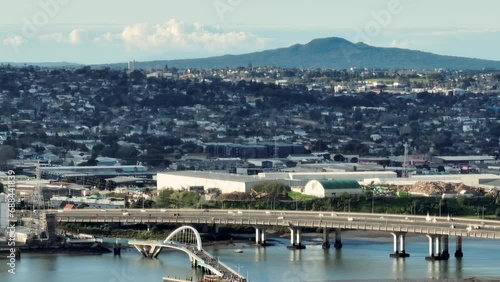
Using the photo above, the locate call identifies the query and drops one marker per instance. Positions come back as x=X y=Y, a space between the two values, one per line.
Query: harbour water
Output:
x=360 y=259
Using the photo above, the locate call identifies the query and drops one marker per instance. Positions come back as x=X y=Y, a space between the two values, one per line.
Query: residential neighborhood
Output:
x=172 y=119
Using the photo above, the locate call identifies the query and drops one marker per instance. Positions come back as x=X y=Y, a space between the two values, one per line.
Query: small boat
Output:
x=238 y=251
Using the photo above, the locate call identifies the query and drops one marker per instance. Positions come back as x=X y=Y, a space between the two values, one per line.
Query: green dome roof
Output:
x=339 y=184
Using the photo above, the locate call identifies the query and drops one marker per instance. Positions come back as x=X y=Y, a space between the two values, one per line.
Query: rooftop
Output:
x=214 y=176
x=339 y=184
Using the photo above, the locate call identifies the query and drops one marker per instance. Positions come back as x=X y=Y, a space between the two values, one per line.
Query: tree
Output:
x=339 y=158
x=273 y=188
x=7 y=153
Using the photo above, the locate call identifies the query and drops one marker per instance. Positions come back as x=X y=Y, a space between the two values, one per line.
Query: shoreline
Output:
x=81 y=250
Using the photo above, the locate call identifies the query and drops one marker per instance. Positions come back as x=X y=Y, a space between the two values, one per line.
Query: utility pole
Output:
x=37 y=202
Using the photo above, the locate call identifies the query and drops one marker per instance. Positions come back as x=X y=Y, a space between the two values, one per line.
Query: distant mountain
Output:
x=47 y=64
x=334 y=53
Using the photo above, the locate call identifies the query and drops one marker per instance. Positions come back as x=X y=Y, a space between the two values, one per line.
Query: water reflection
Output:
x=439 y=269
x=260 y=254
x=399 y=268
x=295 y=255
x=458 y=268
x=368 y=261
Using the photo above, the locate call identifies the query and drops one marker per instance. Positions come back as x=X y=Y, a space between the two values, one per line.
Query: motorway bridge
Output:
x=437 y=229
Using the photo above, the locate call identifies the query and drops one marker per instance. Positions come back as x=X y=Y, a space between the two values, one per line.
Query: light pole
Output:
x=239 y=266
x=373 y=200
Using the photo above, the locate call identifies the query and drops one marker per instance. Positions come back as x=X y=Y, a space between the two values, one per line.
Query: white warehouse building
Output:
x=190 y=180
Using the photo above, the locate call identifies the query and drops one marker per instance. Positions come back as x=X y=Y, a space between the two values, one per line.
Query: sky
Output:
x=110 y=31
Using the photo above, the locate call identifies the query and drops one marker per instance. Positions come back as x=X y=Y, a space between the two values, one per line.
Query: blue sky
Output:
x=107 y=31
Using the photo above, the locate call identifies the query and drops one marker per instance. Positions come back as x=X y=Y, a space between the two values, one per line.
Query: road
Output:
x=345 y=220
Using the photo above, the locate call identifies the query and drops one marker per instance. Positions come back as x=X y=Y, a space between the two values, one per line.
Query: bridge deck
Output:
x=487 y=229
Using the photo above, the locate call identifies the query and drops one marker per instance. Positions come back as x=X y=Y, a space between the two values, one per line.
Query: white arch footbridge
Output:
x=185 y=239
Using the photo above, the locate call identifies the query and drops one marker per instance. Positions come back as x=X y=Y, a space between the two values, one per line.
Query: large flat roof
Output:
x=214 y=176
x=465 y=158
x=82 y=168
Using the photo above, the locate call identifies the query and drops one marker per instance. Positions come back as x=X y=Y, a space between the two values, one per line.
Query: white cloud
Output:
x=177 y=35
x=76 y=36
x=13 y=41
x=57 y=37
x=106 y=38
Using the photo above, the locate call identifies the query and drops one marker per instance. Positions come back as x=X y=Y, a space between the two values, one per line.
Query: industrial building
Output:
x=195 y=180
x=93 y=203
x=228 y=183
x=332 y=188
x=304 y=177
x=61 y=172
x=252 y=151
x=4 y=213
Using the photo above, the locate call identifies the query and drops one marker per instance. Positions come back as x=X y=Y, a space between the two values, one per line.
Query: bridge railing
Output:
x=488 y=229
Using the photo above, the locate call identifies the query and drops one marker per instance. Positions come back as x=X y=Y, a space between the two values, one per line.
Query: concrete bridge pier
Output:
x=445 y=253
x=326 y=238
x=263 y=237
x=458 y=252
x=435 y=248
x=17 y=253
x=295 y=238
x=338 y=239
x=399 y=245
x=194 y=262
x=142 y=250
x=148 y=251
x=117 y=249
x=260 y=236
x=154 y=251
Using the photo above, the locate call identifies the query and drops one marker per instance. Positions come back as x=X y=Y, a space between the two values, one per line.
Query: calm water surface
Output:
x=359 y=259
